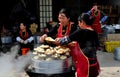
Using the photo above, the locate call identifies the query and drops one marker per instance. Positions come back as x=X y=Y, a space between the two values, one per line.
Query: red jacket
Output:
x=96 y=24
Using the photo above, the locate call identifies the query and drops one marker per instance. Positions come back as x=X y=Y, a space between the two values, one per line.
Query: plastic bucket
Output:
x=117 y=53
x=6 y=39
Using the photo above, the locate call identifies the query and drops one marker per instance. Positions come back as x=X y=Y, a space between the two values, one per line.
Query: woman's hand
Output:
x=42 y=38
x=94 y=8
x=57 y=39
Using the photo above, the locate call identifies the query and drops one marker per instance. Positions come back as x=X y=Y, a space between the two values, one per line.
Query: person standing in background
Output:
x=25 y=37
x=100 y=17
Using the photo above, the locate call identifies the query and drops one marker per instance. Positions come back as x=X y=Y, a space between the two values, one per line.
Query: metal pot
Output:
x=52 y=66
x=117 y=53
x=6 y=39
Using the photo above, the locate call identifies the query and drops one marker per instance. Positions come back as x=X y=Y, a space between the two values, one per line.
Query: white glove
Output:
x=26 y=41
x=21 y=41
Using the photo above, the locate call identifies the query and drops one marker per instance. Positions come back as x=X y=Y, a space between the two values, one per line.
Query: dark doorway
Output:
x=57 y=5
x=13 y=10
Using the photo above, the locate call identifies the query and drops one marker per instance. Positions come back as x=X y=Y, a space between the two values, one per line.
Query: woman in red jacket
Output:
x=100 y=17
x=63 y=28
x=84 y=51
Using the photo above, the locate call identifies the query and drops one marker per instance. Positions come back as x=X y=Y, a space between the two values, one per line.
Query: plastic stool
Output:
x=25 y=50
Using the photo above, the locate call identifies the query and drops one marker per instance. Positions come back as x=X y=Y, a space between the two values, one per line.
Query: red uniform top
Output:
x=96 y=24
x=81 y=61
x=60 y=30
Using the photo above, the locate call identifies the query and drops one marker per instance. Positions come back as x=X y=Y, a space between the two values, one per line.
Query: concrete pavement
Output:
x=109 y=66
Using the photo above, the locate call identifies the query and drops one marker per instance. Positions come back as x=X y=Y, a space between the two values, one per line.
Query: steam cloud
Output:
x=9 y=65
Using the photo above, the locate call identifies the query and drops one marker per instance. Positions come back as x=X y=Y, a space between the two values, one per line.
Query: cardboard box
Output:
x=113 y=37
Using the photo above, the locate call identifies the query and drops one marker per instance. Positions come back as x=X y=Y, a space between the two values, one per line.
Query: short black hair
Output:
x=66 y=11
x=86 y=18
x=24 y=21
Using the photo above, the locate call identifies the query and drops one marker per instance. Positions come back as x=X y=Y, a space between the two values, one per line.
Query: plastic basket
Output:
x=110 y=46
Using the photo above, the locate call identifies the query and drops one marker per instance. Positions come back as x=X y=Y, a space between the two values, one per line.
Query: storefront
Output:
x=47 y=10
